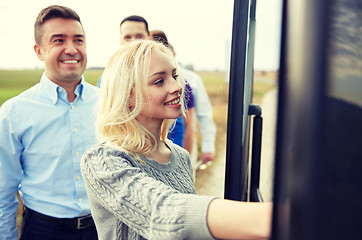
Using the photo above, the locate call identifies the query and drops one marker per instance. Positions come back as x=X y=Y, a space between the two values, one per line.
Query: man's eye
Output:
x=79 y=40
x=140 y=36
x=58 y=40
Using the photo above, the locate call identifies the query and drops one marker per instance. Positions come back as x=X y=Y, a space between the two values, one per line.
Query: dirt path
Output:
x=210 y=181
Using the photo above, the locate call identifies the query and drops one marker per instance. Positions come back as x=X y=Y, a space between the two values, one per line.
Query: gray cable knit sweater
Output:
x=150 y=200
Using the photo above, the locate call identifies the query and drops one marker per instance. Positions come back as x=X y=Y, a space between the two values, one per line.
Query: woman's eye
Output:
x=159 y=82
x=175 y=76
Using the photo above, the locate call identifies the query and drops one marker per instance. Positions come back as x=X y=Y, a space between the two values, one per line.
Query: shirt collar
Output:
x=53 y=90
x=79 y=90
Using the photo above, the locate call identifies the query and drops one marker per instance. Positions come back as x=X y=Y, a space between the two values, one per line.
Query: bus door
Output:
x=318 y=170
x=239 y=183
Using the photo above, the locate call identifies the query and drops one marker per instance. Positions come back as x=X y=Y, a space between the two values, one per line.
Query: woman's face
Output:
x=162 y=93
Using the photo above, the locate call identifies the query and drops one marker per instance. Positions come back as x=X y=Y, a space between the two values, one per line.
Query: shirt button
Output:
x=78 y=177
x=75 y=130
x=71 y=106
x=80 y=200
x=77 y=153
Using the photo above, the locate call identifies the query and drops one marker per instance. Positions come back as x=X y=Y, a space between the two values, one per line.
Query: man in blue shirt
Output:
x=43 y=134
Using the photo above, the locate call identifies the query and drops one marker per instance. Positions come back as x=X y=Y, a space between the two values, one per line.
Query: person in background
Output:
x=139 y=183
x=131 y=28
x=203 y=112
x=44 y=131
x=182 y=133
x=204 y=115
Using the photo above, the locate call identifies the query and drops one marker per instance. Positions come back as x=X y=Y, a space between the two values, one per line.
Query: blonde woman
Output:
x=140 y=184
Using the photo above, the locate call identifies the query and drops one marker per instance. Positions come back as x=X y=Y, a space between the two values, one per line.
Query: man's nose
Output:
x=70 y=49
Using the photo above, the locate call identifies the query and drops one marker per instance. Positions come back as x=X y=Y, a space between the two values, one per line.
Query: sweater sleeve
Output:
x=147 y=206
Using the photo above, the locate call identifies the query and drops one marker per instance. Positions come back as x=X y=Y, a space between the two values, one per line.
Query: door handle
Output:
x=255 y=111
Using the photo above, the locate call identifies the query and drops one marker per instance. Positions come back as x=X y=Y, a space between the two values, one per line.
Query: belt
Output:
x=66 y=223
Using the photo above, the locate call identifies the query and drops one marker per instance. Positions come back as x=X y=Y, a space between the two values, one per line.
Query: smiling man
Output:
x=60 y=43
x=44 y=132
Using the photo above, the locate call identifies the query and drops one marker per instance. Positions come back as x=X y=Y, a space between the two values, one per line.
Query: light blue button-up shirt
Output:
x=42 y=139
x=203 y=110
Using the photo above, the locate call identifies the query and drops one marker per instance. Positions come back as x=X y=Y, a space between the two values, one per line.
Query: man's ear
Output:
x=38 y=52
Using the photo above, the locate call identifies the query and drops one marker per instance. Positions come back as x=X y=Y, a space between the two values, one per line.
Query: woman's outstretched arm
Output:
x=239 y=220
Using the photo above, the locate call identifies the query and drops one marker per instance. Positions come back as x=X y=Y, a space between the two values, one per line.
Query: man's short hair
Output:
x=159 y=36
x=53 y=11
x=136 y=18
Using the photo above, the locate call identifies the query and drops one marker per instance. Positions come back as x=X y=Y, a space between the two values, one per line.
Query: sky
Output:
x=199 y=30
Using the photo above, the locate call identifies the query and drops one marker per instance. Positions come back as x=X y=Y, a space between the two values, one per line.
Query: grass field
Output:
x=14 y=82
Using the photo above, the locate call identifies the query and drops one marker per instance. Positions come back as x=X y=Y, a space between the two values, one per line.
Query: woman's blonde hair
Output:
x=126 y=73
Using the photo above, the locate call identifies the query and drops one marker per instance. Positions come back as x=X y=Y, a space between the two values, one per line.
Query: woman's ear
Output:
x=132 y=100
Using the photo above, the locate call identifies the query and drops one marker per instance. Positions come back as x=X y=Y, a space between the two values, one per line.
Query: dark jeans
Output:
x=34 y=228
